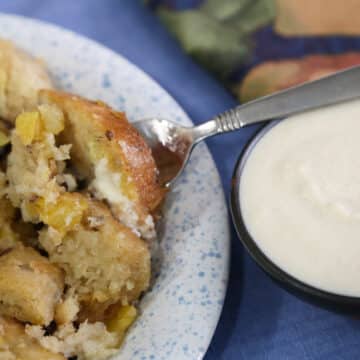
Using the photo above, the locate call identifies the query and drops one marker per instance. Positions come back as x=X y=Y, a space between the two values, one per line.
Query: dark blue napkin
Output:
x=259 y=320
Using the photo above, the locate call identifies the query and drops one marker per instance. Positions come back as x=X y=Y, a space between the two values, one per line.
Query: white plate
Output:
x=180 y=313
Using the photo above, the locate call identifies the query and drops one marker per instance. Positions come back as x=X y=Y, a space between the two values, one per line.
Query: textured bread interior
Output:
x=30 y=286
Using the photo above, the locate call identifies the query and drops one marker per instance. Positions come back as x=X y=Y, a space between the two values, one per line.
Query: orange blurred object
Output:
x=273 y=76
x=317 y=17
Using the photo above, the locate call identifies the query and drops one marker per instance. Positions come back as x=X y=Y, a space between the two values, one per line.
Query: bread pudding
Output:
x=78 y=192
x=112 y=157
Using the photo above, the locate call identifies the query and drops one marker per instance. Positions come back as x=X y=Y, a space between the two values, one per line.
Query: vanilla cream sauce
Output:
x=300 y=197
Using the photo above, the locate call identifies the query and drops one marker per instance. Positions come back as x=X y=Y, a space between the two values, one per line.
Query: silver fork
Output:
x=172 y=144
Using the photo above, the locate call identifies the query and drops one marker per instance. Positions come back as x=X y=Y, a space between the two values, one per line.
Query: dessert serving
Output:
x=79 y=190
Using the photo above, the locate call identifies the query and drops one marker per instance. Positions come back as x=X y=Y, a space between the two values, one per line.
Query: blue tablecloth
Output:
x=259 y=320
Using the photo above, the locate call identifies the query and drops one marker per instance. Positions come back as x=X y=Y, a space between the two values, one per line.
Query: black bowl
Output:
x=332 y=301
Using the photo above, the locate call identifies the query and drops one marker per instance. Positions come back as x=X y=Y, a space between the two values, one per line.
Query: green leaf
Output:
x=216 y=46
x=223 y=10
x=254 y=16
x=218 y=33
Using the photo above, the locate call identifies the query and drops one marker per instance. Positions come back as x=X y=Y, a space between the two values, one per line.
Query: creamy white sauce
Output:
x=300 y=197
x=107 y=185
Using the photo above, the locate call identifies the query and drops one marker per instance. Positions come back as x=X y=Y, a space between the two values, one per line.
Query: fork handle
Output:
x=341 y=86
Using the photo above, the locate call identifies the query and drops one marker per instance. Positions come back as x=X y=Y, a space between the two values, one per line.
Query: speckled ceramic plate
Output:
x=180 y=313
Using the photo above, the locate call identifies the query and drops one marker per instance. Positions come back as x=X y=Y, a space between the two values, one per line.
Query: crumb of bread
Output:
x=95 y=221
x=66 y=311
x=15 y=344
x=31 y=171
x=67 y=180
x=89 y=342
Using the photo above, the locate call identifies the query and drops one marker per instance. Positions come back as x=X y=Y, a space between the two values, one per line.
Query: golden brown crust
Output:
x=114 y=135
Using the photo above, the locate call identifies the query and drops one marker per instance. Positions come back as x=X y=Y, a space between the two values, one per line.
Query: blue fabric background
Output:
x=259 y=320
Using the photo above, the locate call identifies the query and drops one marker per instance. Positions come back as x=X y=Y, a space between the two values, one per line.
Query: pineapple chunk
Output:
x=123 y=319
x=29 y=127
x=53 y=118
x=4 y=139
x=64 y=214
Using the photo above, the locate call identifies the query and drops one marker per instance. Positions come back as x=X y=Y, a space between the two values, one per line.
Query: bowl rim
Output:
x=289 y=282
